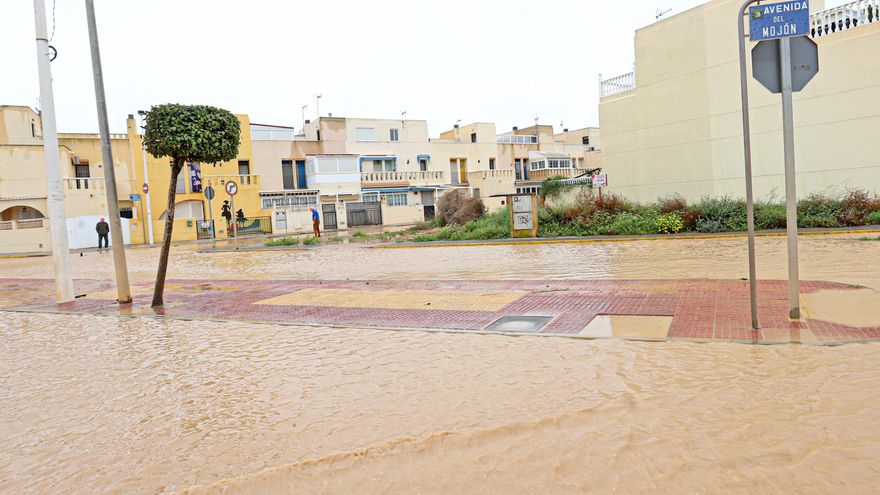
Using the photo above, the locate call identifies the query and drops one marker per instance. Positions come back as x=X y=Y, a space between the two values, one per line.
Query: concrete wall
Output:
x=680 y=130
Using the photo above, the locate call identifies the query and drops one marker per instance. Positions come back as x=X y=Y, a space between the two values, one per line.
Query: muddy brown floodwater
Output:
x=111 y=405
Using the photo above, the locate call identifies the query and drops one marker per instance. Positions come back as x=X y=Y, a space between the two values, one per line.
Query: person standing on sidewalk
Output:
x=316 y=222
x=103 y=229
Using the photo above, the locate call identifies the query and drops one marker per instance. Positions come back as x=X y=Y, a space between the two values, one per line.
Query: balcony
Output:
x=484 y=175
x=516 y=139
x=219 y=181
x=411 y=178
x=619 y=84
x=89 y=185
x=843 y=17
x=34 y=223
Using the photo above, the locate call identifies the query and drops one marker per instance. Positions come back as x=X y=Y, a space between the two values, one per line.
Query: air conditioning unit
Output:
x=75 y=160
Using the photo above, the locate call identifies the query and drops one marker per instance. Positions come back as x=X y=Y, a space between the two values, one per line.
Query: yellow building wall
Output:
x=680 y=130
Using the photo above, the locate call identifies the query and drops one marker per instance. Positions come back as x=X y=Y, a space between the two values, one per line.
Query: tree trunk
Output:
x=159 y=290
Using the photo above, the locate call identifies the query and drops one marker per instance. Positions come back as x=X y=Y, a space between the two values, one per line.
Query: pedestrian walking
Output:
x=103 y=229
x=226 y=212
x=316 y=222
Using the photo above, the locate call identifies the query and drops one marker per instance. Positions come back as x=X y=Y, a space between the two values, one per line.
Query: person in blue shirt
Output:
x=316 y=222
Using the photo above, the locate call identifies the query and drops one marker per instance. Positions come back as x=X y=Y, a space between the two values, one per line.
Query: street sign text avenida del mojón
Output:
x=779 y=20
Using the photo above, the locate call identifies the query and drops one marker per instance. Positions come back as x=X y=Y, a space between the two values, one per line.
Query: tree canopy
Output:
x=198 y=133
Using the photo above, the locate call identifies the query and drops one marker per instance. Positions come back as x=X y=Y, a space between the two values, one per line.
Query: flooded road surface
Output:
x=834 y=258
x=107 y=405
x=93 y=404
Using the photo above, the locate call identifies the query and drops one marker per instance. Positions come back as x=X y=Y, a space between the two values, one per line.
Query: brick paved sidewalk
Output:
x=650 y=309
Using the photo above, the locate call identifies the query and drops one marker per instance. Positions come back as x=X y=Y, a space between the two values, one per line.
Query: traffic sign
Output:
x=134 y=197
x=804 y=63
x=231 y=188
x=209 y=193
x=779 y=20
x=145 y=188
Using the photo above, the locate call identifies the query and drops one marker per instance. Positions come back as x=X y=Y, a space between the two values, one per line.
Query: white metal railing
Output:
x=30 y=223
x=83 y=184
x=843 y=17
x=516 y=139
x=620 y=84
x=416 y=175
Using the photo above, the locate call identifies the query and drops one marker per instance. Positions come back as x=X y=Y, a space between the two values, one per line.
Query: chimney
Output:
x=515 y=128
x=565 y=130
x=455 y=126
x=308 y=121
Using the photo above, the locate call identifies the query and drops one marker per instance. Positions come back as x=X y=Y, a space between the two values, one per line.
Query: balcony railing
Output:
x=83 y=184
x=516 y=139
x=620 y=84
x=430 y=176
x=32 y=223
x=843 y=17
x=483 y=175
x=220 y=181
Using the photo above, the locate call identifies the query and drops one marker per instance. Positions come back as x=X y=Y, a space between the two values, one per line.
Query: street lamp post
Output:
x=149 y=215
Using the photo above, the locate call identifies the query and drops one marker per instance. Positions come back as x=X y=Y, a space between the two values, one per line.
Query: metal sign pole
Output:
x=790 y=178
x=211 y=219
x=747 y=154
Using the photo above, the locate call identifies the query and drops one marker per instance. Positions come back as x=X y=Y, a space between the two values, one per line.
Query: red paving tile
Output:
x=700 y=309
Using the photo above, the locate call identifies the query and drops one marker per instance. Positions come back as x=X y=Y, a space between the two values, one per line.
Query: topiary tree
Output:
x=185 y=133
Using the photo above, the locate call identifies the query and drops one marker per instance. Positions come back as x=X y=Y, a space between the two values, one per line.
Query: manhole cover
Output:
x=524 y=324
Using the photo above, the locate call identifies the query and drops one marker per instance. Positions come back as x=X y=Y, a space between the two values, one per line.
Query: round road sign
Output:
x=146 y=188
x=209 y=193
x=231 y=188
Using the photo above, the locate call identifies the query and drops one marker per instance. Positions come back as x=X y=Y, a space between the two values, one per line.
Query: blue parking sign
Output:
x=779 y=20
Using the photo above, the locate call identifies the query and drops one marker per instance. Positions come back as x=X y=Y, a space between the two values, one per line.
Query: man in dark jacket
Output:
x=103 y=228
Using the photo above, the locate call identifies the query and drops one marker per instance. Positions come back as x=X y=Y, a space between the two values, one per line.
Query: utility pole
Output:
x=123 y=290
x=149 y=215
x=318 y=106
x=54 y=193
x=794 y=285
x=304 y=117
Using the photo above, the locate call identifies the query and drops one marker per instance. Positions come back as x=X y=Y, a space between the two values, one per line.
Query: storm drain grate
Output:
x=521 y=324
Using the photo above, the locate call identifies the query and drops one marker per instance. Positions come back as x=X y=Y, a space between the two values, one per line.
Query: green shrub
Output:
x=672 y=204
x=492 y=226
x=769 y=216
x=873 y=218
x=627 y=224
x=857 y=204
x=359 y=235
x=311 y=241
x=721 y=215
x=284 y=241
x=551 y=187
x=669 y=223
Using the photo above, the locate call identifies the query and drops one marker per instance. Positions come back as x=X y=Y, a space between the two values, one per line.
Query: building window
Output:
x=585 y=140
x=287 y=174
x=365 y=133
x=370 y=197
x=318 y=135
x=397 y=199
x=473 y=137
x=182 y=180
x=244 y=167
x=423 y=164
x=491 y=164
x=126 y=213
x=81 y=171
x=301 y=174
x=395 y=136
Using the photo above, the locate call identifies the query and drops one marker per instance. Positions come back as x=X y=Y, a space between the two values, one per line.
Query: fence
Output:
x=620 y=84
x=846 y=16
x=251 y=226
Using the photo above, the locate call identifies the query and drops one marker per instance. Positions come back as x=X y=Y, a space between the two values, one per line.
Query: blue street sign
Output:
x=779 y=20
x=134 y=197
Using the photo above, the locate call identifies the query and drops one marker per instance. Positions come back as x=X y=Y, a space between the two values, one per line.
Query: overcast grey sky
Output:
x=474 y=60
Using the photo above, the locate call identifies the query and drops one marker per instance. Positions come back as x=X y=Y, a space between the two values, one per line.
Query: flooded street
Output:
x=99 y=404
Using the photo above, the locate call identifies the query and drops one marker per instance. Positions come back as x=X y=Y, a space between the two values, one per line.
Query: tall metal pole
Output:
x=747 y=154
x=54 y=193
x=794 y=286
x=146 y=175
x=123 y=290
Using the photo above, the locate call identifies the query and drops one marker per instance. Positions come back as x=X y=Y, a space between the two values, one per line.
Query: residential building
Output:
x=675 y=124
x=356 y=172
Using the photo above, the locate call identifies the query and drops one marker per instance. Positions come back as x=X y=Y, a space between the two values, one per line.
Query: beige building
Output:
x=675 y=124
x=355 y=172
x=361 y=172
